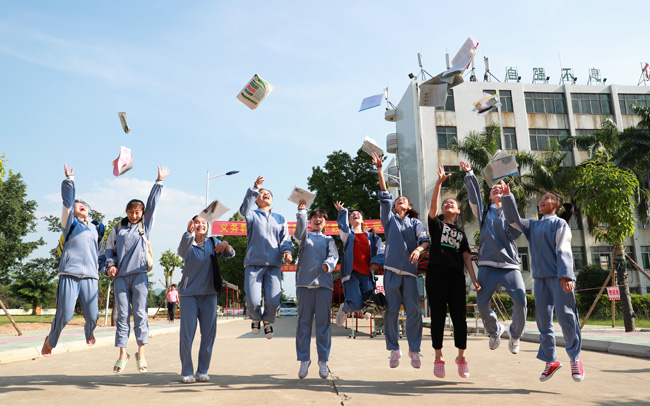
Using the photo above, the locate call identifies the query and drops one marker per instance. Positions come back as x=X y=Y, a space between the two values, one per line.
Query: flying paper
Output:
x=255 y=92
x=370 y=102
x=123 y=163
x=298 y=194
x=488 y=103
x=369 y=146
x=463 y=57
x=125 y=126
x=501 y=165
x=214 y=210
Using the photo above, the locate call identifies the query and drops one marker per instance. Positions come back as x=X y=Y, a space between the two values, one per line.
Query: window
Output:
x=523 y=259
x=578 y=258
x=505 y=97
x=626 y=101
x=591 y=103
x=645 y=257
x=602 y=256
x=446 y=137
x=449 y=104
x=545 y=103
x=540 y=138
x=511 y=137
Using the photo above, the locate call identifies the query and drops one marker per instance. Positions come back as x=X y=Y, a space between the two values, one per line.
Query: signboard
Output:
x=239 y=227
x=614 y=293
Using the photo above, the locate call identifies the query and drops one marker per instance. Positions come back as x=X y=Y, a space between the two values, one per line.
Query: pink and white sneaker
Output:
x=577 y=371
x=415 y=359
x=394 y=358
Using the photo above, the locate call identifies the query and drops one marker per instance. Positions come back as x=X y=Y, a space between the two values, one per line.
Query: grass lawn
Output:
x=638 y=323
x=30 y=319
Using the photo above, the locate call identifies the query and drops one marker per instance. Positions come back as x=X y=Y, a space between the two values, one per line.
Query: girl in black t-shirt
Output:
x=445 y=277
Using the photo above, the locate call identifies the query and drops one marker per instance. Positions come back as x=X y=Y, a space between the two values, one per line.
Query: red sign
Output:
x=294 y=268
x=614 y=293
x=239 y=227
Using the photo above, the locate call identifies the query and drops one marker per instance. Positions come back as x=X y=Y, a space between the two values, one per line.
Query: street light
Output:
x=207 y=183
x=397 y=178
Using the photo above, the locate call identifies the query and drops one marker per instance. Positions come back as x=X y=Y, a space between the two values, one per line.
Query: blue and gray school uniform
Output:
x=198 y=301
x=400 y=280
x=268 y=238
x=78 y=269
x=355 y=284
x=126 y=250
x=551 y=260
x=314 y=288
x=498 y=262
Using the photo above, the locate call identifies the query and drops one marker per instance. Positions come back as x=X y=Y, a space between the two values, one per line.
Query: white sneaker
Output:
x=341 y=316
x=513 y=344
x=189 y=379
x=202 y=377
x=304 y=369
x=394 y=358
x=496 y=341
x=268 y=330
x=323 y=371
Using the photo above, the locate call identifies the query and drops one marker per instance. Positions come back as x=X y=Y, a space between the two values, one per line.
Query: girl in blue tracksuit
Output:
x=127 y=261
x=445 y=277
x=317 y=259
x=268 y=244
x=198 y=297
x=406 y=238
x=498 y=263
x=552 y=267
x=78 y=267
x=363 y=253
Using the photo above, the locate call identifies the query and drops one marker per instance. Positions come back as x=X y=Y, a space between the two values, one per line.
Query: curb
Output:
x=32 y=353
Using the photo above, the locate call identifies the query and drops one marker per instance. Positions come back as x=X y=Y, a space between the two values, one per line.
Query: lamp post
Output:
x=397 y=178
x=207 y=183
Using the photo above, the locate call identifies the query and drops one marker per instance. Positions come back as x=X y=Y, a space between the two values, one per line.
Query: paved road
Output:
x=249 y=369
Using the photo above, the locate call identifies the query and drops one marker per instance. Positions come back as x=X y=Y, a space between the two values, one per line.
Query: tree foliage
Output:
x=169 y=260
x=605 y=195
x=232 y=270
x=33 y=282
x=17 y=219
x=348 y=180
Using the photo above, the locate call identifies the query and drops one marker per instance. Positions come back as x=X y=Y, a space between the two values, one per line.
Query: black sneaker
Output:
x=255 y=327
x=268 y=330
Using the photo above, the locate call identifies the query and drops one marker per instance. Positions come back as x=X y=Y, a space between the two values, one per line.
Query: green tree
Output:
x=17 y=219
x=33 y=282
x=605 y=194
x=345 y=179
x=169 y=261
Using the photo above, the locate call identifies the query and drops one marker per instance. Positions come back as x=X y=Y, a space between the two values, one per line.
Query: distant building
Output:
x=531 y=115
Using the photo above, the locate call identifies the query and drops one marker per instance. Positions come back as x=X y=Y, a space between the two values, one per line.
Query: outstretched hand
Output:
x=302 y=204
x=442 y=176
x=465 y=166
x=68 y=173
x=190 y=227
x=339 y=206
x=162 y=172
x=505 y=188
x=259 y=182
x=376 y=160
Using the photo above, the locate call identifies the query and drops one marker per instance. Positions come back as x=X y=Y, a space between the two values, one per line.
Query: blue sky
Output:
x=176 y=67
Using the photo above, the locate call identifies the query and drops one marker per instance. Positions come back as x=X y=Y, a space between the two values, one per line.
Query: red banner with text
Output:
x=239 y=227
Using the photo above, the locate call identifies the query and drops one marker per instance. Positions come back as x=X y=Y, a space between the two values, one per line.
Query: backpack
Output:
x=217 y=280
x=147 y=243
x=64 y=238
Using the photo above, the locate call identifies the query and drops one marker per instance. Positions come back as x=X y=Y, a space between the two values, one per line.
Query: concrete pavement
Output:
x=247 y=368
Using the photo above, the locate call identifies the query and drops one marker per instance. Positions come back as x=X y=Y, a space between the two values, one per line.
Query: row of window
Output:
x=554 y=103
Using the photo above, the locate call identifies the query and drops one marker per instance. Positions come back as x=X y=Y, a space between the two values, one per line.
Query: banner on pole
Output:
x=239 y=227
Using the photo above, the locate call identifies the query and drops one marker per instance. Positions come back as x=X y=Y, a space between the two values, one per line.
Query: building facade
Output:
x=530 y=116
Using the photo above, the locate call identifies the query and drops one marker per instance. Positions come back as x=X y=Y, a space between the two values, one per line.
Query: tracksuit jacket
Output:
x=316 y=250
x=347 y=236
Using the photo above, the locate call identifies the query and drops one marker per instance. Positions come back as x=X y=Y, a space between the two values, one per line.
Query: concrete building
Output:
x=531 y=115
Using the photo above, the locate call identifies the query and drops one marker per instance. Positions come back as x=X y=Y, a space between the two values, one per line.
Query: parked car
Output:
x=288 y=308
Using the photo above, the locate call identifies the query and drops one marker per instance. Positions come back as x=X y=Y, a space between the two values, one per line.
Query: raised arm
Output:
x=300 y=233
x=67 y=195
x=511 y=213
x=187 y=239
x=251 y=196
x=376 y=160
x=473 y=191
x=435 y=198
x=152 y=201
x=343 y=221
